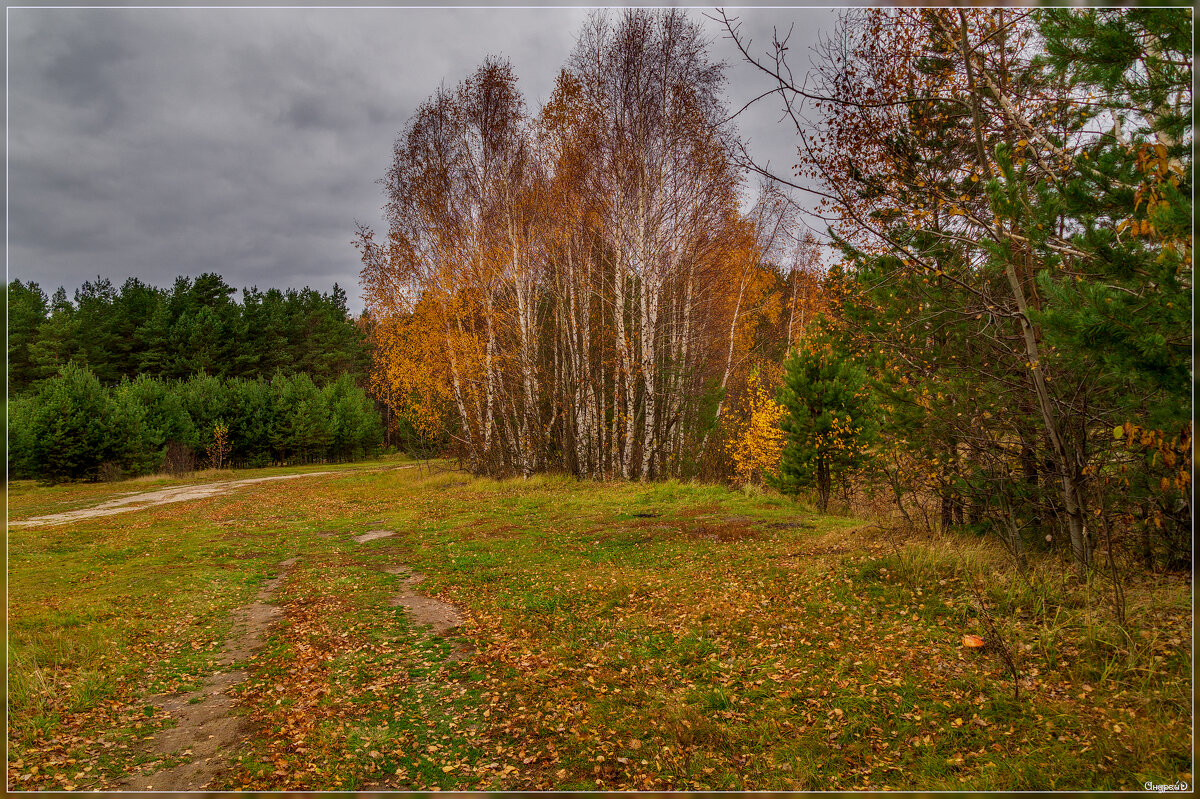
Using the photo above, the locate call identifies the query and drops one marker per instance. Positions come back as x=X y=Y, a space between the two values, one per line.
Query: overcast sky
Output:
x=154 y=142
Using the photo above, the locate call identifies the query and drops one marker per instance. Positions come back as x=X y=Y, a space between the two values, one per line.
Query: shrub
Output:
x=74 y=427
x=164 y=417
x=20 y=438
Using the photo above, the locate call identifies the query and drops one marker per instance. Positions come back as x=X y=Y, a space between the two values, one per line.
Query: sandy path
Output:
x=149 y=499
x=208 y=730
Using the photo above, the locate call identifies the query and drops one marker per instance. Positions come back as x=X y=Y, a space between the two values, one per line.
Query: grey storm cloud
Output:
x=154 y=142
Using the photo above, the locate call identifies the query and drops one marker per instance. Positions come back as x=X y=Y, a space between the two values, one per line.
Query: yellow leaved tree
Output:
x=756 y=439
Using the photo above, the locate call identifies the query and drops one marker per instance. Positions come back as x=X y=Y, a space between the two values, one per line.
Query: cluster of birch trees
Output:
x=579 y=290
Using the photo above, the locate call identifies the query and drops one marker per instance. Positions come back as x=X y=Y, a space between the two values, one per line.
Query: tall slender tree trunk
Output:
x=792 y=313
x=459 y=400
x=489 y=377
x=623 y=388
x=824 y=484
x=649 y=320
x=681 y=349
x=528 y=378
x=1071 y=494
x=737 y=310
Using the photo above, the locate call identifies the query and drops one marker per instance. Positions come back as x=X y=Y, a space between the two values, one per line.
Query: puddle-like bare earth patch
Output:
x=722 y=531
x=207 y=727
x=149 y=499
x=371 y=535
x=441 y=617
x=794 y=524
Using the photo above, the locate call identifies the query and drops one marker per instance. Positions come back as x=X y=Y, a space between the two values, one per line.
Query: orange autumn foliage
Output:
x=568 y=291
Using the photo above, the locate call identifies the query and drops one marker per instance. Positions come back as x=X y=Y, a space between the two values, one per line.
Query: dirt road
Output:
x=149 y=499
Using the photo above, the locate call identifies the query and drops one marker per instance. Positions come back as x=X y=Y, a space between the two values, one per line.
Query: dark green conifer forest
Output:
x=131 y=380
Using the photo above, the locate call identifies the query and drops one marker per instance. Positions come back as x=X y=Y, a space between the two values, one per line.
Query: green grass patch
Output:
x=669 y=636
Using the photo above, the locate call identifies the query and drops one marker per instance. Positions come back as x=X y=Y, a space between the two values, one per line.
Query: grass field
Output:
x=658 y=636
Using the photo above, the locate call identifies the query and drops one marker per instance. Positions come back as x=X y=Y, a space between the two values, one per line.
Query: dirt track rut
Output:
x=208 y=729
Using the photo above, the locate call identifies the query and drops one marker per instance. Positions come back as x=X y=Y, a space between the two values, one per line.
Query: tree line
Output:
x=579 y=290
x=121 y=382
x=72 y=427
x=1010 y=191
x=196 y=326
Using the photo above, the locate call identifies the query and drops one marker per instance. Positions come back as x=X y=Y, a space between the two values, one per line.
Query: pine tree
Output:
x=1119 y=300
x=830 y=417
x=1127 y=199
x=27 y=311
x=134 y=305
x=56 y=342
x=153 y=336
x=165 y=419
x=72 y=428
x=95 y=334
x=251 y=420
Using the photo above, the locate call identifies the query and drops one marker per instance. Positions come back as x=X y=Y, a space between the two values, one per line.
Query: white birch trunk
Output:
x=625 y=454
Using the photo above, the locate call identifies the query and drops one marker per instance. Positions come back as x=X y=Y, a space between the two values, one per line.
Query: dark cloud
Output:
x=158 y=142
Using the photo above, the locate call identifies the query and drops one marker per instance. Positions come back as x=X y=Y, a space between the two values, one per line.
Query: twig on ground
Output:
x=1001 y=646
